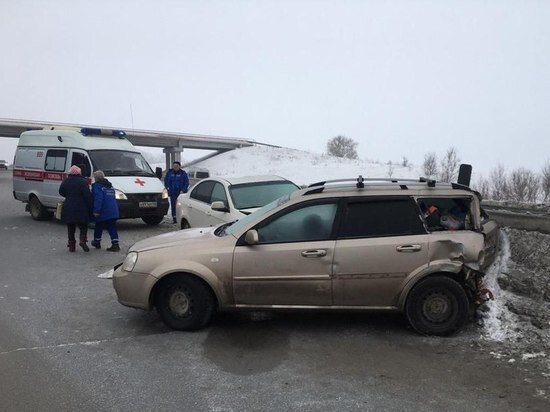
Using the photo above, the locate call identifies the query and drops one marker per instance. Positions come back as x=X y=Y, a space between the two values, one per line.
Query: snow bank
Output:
x=500 y=323
x=297 y=165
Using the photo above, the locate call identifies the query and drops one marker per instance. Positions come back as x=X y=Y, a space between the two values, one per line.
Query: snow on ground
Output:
x=297 y=165
x=500 y=324
x=107 y=275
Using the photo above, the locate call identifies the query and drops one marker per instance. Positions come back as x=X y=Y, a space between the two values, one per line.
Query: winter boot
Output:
x=96 y=244
x=72 y=245
x=114 y=248
x=174 y=220
x=83 y=245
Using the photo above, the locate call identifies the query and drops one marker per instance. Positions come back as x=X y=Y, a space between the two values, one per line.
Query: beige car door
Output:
x=380 y=242
x=292 y=263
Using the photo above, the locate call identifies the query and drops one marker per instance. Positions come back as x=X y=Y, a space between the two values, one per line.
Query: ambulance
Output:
x=44 y=157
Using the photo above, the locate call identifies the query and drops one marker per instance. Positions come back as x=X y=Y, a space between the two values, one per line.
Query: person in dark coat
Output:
x=176 y=181
x=76 y=207
x=105 y=211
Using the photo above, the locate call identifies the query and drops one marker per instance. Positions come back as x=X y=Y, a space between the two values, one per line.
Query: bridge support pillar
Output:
x=172 y=154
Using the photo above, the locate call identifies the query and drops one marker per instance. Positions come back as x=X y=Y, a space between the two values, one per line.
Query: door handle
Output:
x=409 y=248
x=314 y=253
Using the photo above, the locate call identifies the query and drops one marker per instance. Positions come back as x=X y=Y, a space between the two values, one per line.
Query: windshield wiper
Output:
x=220 y=231
x=139 y=173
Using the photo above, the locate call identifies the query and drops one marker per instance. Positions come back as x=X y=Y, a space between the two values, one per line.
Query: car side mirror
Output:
x=251 y=237
x=158 y=172
x=219 y=206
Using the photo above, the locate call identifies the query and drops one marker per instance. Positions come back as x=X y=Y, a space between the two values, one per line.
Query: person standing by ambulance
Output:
x=76 y=207
x=176 y=181
x=105 y=211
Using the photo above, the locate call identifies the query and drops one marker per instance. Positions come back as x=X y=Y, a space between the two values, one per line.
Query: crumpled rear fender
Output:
x=451 y=253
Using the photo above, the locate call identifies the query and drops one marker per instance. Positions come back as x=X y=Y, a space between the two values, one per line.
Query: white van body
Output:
x=44 y=157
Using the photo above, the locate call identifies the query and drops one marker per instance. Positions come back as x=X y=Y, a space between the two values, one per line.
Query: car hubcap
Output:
x=436 y=308
x=179 y=303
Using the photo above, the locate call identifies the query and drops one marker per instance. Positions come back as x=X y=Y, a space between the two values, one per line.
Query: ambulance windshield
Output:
x=120 y=163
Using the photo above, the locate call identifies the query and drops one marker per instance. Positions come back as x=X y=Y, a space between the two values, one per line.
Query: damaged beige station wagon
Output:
x=411 y=246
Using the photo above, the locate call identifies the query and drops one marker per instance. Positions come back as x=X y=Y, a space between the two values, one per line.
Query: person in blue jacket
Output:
x=105 y=211
x=176 y=182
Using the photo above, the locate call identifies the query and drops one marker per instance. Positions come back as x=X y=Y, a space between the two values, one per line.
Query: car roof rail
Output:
x=360 y=181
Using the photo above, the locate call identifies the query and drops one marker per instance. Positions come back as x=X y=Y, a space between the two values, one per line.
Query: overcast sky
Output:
x=400 y=77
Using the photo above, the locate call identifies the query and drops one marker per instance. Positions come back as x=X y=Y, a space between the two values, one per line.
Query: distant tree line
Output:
x=519 y=185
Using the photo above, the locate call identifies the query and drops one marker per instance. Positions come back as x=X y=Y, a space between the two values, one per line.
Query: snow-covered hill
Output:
x=299 y=166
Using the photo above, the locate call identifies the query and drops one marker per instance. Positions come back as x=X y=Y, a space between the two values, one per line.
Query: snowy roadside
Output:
x=517 y=322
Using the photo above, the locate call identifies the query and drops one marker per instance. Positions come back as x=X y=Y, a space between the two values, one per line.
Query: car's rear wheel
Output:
x=184 y=303
x=185 y=224
x=437 y=305
x=152 y=220
x=38 y=211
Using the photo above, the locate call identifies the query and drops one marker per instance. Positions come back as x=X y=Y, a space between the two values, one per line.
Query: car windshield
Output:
x=120 y=163
x=231 y=228
x=252 y=195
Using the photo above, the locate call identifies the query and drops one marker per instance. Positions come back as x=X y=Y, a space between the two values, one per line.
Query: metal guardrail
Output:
x=520 y=218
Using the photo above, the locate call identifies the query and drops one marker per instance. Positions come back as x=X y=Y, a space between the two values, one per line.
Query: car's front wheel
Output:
x=184 y=302
x=437 y=305
x=185 y=224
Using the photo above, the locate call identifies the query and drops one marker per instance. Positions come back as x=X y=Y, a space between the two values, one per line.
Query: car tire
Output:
x=38 y=211
x=185 y=224
x=184 y=303
x=438 y=306
x=152 y=220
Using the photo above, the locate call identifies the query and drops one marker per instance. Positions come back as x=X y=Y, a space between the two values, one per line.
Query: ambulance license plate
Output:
x=146 y=205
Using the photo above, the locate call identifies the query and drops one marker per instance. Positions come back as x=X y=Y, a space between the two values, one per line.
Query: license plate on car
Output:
x=144 y=205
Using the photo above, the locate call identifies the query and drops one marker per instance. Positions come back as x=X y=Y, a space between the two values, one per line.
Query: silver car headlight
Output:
x=165 y=194
x=130 y=262
x=119 y=195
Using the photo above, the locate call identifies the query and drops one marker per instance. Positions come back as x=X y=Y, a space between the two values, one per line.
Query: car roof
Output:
x=238 y=180
x=381 y=188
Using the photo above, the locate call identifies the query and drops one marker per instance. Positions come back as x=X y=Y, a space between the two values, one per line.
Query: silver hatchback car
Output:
x=416 y=247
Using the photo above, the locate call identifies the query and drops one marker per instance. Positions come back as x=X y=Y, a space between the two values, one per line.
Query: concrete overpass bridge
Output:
x=172 y=143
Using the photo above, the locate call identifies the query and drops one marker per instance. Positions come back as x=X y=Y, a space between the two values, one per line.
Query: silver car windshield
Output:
x=120 y=163
x=259 y=194
x=239 y=224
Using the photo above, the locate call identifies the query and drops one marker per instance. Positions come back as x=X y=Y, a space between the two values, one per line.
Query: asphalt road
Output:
x=66 y=344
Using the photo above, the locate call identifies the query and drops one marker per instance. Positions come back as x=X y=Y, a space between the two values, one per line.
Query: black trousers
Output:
x=71 y=229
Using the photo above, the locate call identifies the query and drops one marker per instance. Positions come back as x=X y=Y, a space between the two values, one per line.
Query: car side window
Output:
x=55 y=160
x=203 y=192
x=309 y=223
x=378 y=218
x=218 y=194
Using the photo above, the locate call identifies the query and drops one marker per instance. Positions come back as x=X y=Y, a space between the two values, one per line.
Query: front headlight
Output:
x=165 y=194
x=119 y=195
x=130 y=262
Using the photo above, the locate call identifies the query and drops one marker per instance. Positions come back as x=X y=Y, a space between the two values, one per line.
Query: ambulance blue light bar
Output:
x=91 y=131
